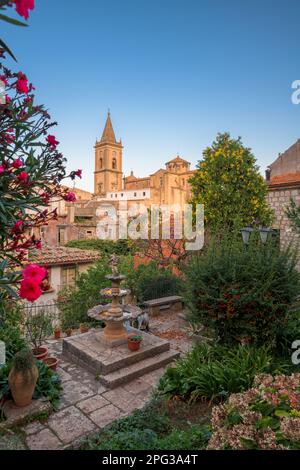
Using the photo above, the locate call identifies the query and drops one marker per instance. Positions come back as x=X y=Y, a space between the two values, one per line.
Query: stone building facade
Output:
x=283 y=179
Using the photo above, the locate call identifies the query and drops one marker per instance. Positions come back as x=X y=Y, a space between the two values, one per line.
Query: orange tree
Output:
x=229 y=185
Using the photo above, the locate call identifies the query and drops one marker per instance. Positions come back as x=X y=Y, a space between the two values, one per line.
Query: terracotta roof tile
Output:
x=285 y=178
x=59 y=255
x=177 y=159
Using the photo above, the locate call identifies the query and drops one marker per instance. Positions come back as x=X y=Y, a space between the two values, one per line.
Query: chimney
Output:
x=268 y=173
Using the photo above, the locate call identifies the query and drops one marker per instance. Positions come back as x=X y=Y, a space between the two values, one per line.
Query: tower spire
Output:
x=108 y=134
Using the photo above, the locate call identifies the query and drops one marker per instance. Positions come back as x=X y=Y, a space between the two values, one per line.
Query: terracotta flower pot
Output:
x=22 y=385
x=40 y=352
x=68 y=332
x=134 y=345
x=84 y=329
x=57 y=334
x=51 y=362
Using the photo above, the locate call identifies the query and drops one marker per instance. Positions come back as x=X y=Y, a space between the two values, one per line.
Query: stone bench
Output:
x=167 y=304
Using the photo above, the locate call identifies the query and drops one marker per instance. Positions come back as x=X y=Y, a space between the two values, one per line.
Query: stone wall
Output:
x=279 y=197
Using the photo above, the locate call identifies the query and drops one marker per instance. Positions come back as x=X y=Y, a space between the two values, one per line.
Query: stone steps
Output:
x=126 y=374
x=116 y=366
x=85 y=351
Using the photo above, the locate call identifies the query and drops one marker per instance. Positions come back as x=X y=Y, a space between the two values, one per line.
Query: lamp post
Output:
x=263 y=232
x=246 y=231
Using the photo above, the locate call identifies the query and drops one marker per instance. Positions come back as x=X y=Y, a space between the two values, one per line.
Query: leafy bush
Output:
x=11 y=330
x=75 y=301
x=264 y=417
x=288 y=333
x=105 y=247
x=213 y=372
x=38 y=327
x=293 y=214
x=149 y=428
x=4 y=388
x=148 y=282
x=243 y=292
x=48 y=384
x=195 y=437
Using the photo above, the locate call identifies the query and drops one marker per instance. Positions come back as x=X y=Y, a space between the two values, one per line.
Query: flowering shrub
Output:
x=31 y=170
x=266 y=416
x=23 y=7
x=243 y=292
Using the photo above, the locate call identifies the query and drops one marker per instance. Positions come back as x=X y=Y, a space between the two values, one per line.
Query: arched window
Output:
x=101 y=162
x=114 y=163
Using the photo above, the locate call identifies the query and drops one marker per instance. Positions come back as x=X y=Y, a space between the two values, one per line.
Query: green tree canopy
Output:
x=229 y=185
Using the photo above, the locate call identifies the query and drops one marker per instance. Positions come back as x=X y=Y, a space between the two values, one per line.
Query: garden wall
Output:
x=279 y=196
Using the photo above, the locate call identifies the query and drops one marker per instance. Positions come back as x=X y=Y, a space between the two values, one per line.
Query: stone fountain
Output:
x=115 y=314
x=104 y=351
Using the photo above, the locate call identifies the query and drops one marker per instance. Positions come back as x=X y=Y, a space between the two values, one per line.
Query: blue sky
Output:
x=172 y=72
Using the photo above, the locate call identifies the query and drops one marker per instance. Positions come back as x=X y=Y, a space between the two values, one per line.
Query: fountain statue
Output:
x=116 y=313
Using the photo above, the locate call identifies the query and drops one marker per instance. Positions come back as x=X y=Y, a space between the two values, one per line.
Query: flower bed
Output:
x=266 y=416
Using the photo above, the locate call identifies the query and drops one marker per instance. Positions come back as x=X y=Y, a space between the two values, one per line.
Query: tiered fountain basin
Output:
x=114 y=332
x=114 y=314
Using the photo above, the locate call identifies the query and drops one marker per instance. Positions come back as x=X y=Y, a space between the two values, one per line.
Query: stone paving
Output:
x=85 y=407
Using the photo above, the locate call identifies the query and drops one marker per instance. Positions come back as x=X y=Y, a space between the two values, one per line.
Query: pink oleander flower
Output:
x=53 y=143
x=70 y=197
x=34 y=273
x=17 y=163
x=18 y=227
x=30 y=290
x=22 y=83
x=39 y=245
x=9 y=136
x=45 y=197
x=78 y=173
x=28 y=100
x=23 y=177
x=23 y=7
x=2 y=169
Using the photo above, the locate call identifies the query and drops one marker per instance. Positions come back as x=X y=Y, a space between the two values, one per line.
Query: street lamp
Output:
x=246 y=234
x=264 y=232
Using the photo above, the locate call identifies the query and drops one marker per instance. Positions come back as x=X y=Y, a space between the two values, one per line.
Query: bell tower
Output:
x=108 y=162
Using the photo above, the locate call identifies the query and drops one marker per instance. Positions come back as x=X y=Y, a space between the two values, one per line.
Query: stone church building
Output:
x=169 y=185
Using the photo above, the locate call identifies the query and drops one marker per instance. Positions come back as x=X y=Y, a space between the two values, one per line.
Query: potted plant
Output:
x=51 y=362
x=84 y=328
x=57 y=332
x=23 y=377
x=38 y=327
x=134 y=342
